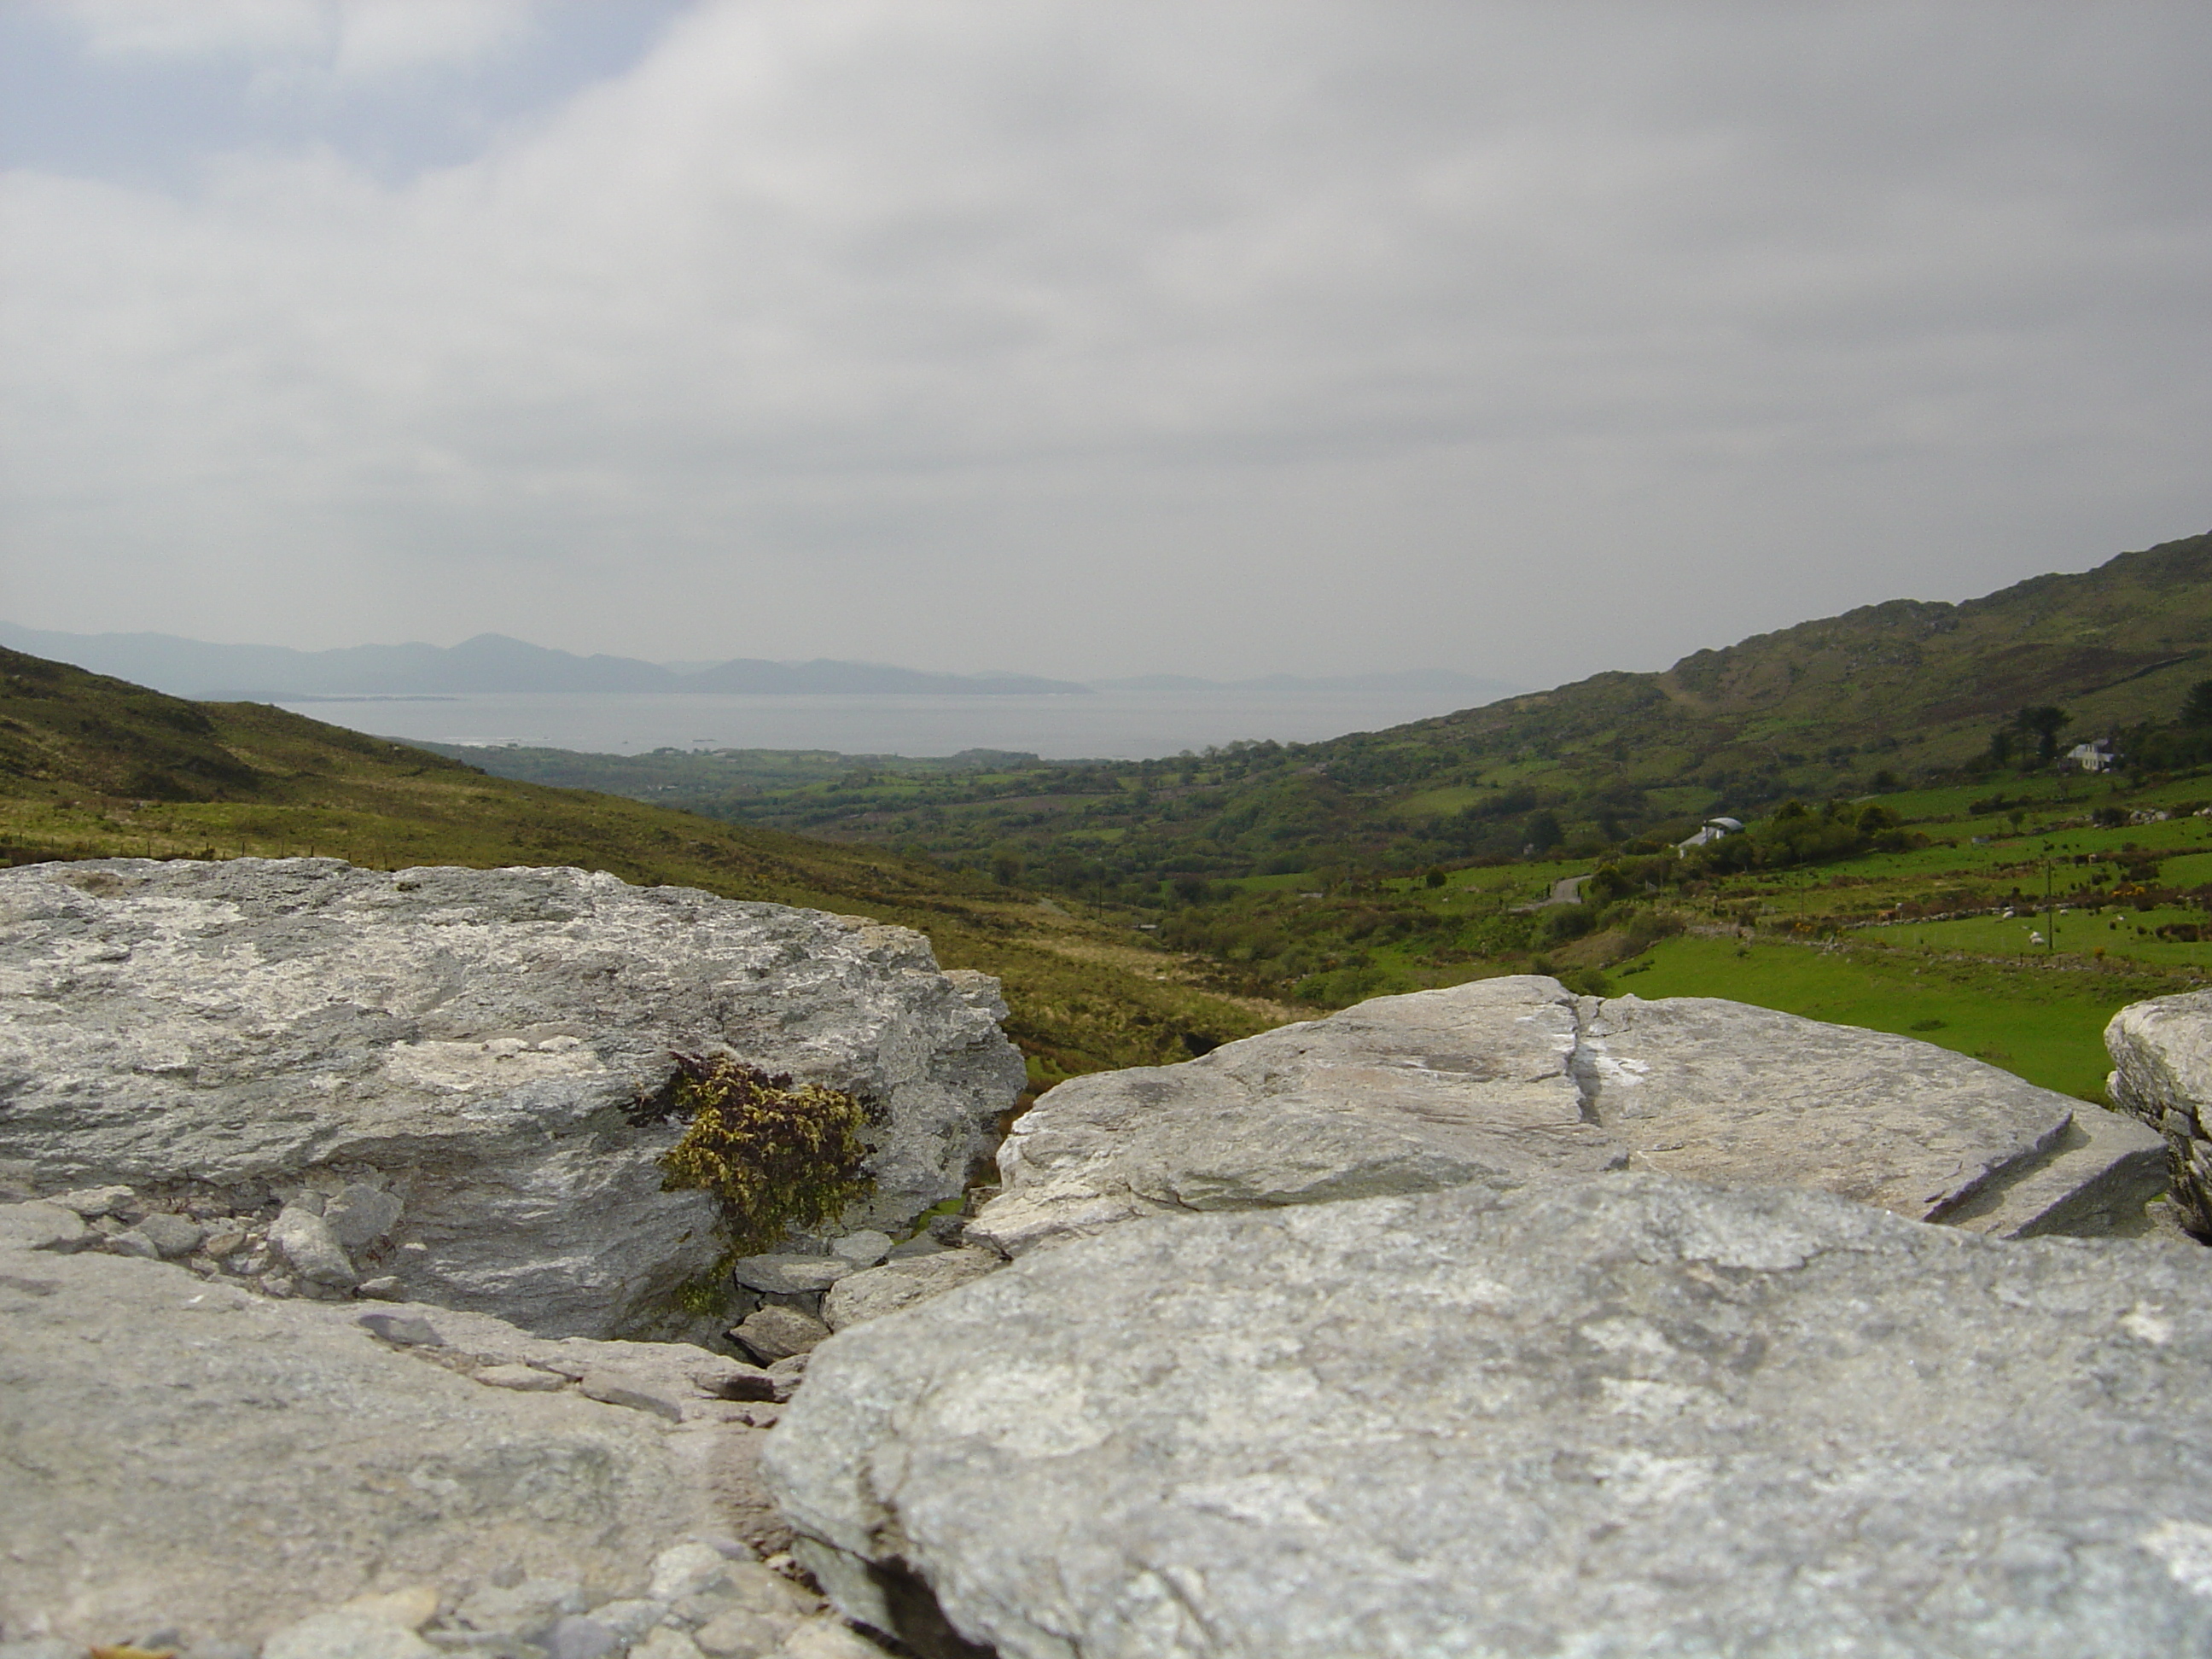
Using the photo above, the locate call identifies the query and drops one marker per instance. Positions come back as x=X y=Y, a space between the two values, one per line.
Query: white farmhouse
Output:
x=1711 y=831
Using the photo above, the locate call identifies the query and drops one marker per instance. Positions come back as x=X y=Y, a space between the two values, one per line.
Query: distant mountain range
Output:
x=495 y=663
x=488 y=663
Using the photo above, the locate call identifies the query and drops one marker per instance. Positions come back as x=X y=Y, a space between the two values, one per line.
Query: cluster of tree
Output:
x=2030 y=737
x=1797 y=834
x=2172 y=745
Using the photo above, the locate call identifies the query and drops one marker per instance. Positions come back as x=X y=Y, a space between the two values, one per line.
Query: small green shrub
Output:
x=777 y=1155
x=1585 y=981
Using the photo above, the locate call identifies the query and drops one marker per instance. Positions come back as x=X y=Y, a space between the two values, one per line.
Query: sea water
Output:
x=1114 y=725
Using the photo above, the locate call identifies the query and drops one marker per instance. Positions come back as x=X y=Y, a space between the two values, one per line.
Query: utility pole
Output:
x=2050 y=910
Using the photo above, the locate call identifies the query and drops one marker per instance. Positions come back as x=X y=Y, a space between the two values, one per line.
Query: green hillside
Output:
x=1884 y=697
x=94 y=767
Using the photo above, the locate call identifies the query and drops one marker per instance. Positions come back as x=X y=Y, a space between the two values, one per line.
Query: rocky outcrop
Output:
x=428 y=1081
x=1507 y=1082
x=190 y=1465
x=1636 y=1415
x=2162 y=1058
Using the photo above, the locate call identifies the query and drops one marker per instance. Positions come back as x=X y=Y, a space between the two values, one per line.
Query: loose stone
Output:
x=173 y=1236
x=523 y=1379
x=771 y=1333
x=346 y=1636
x=611 y=1389
x=792 y=1275
x=305 y=1240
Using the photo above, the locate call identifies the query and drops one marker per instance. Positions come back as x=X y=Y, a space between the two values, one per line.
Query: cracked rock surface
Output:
x=1636 y=1416
x=1505 y=1083
x=434 y=1071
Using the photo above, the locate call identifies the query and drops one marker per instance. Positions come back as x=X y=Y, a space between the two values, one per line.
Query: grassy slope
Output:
x=95 y=767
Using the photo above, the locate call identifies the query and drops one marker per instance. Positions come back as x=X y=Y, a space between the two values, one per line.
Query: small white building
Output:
x=1710 y=831
x=2098 y=755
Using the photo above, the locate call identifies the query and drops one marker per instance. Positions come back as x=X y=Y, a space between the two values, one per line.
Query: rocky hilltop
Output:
x=1487 y=1321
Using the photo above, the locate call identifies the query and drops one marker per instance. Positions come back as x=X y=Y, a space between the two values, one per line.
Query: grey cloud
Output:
x=1525 y=340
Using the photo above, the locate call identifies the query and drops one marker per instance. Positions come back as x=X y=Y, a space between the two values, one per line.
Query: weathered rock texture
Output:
x=1508 y=1082
x=468 y=1045
x=1635 y=1416
x=900 y=1283
x=2162 y=1051
x=181 y=1453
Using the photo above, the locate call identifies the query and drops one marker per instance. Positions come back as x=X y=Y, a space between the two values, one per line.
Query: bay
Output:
x=1110 y=725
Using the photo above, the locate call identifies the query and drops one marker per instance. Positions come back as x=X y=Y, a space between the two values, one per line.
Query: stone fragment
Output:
x=358 y=1214
x=173 y=1236
x=761 y=1589
x=412 y=1607
x=790 y=1275
x=578 y=1636
x=732 y=1379
x=385 y=1287
x=826 y=1638
x=527 y=1609
x=664 y=1643
x=1512 y=1082
x=305 y=1240
x=43 y=1225
x=91 y=1201
x=226 y=1243
x=863 y=1249
x=131 y=1242
x=523 y=1379
x=740 y=1633
x=611 y=1389
x=788 y=1374
x=688 y=1569
x=1622 y=1416
x=774 y=1333
x=402 y=1330
x=476 y=1040
x=902 y=1283
x=630 y=1617
x=346 y=1636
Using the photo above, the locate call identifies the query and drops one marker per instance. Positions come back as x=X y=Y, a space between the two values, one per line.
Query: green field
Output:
x=2041 y=1020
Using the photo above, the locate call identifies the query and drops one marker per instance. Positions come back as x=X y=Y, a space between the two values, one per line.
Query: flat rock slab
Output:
x=177 y=1454
x=1504 y=1083
x=1636 y=1416
x=474 y=1038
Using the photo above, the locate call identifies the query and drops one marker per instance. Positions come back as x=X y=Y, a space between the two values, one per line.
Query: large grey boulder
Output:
x=2162 y=1058
x=448 y=1061
x=1634 y=1416
x=1504 y=1083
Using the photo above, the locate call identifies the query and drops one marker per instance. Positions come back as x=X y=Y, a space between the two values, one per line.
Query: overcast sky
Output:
x=1087 y=339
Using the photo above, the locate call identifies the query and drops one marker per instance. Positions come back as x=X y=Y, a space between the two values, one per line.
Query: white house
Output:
x=1711 y=831
x=2096 y=755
